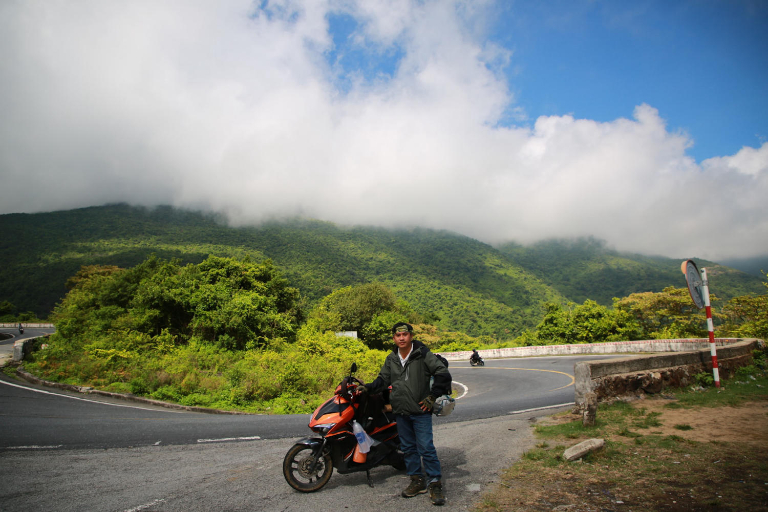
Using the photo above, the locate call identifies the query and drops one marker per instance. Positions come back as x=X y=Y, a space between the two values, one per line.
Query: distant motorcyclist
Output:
x=475 y=357
x=21 y=328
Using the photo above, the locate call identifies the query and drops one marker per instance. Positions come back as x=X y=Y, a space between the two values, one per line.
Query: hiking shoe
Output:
x=417 y=486
x=436 y=493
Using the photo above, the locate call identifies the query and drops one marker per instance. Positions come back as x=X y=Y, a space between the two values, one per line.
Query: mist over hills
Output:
x=461 y=283
x=757 y=266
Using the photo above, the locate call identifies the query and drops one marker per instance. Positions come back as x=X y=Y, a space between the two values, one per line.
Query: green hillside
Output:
x=585 y=269
x=468 y=285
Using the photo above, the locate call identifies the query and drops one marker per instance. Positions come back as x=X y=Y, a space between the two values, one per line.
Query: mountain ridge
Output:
x=470 y=286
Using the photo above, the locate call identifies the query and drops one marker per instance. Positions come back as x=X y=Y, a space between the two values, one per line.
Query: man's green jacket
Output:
x=411 y=383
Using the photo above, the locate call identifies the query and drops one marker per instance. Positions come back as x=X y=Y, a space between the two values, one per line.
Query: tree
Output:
x=6 y=310
x=747 y=316
x=668 y=314
x=350 y=308
x=235 y=304
x=370 y=309
x=586 y=323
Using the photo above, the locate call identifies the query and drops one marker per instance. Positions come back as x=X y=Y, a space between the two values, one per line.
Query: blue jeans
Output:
x=416 y=442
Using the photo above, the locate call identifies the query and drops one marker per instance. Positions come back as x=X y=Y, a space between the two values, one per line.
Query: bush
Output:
x=746 y=371
x=704 y=379
x=370 y=309
x=457 y=346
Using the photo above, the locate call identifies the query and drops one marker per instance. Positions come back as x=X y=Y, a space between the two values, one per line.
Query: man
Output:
x=408 y=369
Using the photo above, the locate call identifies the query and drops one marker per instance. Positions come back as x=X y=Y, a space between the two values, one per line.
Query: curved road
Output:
x=38 y=416
x=6 y=345
x=65 y=451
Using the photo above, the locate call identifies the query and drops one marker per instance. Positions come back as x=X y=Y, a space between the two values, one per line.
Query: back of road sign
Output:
x=695 y=284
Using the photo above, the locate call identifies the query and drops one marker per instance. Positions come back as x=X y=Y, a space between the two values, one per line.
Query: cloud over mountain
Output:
x=261 y=113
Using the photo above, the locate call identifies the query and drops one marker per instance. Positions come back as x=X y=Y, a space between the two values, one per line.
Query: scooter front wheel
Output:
x=298 y=470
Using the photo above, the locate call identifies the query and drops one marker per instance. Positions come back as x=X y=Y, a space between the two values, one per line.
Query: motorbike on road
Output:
x=475 y=359
x=309 y=463
x=21 y=329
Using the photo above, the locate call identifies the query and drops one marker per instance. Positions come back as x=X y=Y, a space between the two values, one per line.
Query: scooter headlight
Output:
x=323 y=428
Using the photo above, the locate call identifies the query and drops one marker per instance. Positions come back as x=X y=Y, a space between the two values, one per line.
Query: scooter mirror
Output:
x=353 y=369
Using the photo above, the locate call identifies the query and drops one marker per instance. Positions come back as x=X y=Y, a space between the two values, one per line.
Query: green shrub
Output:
x=746 y=371
x=138 y=386
x=759 y=359
x=704 y=379
x=166 y=393
x=118 y=387
x=457 y=346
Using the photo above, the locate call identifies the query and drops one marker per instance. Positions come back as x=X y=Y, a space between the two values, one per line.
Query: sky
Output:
x=641 y=123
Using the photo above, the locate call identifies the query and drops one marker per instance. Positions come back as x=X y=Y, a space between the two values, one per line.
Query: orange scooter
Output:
x=309 y=463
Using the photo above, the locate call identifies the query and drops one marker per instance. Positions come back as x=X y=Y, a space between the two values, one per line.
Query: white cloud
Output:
x=203 y=104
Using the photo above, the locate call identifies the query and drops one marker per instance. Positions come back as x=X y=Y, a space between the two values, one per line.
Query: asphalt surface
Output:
x=39 y=416
x=67 y=451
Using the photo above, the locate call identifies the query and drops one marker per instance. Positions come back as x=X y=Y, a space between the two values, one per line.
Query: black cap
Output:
x=402 y=327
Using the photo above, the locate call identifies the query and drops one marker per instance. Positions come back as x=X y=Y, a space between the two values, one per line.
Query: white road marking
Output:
x=34 y=447
x=85 y=399
x=142 y=507
x=466 y=389
x=542 y=408
x=224 y=439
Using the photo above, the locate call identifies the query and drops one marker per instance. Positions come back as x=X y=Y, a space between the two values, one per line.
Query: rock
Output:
x=652 y=383
x=583 y=448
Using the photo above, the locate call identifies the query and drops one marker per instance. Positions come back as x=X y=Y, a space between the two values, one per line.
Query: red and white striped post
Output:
x=710 y=327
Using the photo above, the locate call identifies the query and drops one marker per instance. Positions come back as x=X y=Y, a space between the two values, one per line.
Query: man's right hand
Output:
x=361 y=389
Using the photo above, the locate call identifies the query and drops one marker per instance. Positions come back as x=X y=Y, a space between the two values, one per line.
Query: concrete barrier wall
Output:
x=653 y=373
x=26 y=325
x=22 y=347
x=615 y=347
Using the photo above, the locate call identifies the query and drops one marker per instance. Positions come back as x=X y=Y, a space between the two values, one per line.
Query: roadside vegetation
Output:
x=232 y=333
x=225 y=333
x=695 y=449
x=9 y=313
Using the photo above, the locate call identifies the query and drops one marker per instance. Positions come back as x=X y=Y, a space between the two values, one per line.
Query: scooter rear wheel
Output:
x=296 y=469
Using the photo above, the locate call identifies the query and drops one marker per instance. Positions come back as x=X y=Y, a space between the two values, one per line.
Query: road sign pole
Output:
x=710 y=327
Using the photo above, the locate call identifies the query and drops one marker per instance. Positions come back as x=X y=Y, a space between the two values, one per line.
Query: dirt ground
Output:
x=709 y=459
x=745 y=424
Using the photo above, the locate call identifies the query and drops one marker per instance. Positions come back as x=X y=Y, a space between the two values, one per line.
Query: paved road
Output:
x=62 y=453
x=38 y=416
x=6 y=344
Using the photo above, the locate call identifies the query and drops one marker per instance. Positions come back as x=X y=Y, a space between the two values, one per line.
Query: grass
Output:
x=639 y=468
x=10 y=371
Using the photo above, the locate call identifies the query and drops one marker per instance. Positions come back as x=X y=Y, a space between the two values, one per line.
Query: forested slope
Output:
x=468 y=285
x=586 y=269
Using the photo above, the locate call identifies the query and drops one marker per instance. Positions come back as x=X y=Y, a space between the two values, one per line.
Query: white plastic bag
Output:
x=363 y=439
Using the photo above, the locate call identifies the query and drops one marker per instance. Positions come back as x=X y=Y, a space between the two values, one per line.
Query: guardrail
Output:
x=613 y=347
x=598 y=380
x=27 y=325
